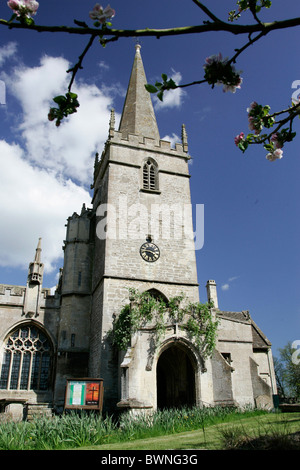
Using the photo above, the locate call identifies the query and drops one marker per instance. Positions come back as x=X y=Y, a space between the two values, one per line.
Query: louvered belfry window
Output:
x=150 y=175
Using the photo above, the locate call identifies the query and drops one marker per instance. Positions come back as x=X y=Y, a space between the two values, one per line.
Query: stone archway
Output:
x=175 y=378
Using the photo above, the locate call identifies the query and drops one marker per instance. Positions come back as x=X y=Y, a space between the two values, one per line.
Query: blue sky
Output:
x=251 y=205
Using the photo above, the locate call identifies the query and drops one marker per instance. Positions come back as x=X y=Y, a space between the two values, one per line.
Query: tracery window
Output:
x=26 y=360
x=150 y=175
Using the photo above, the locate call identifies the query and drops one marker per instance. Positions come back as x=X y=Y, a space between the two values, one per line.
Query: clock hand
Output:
x=149 y=252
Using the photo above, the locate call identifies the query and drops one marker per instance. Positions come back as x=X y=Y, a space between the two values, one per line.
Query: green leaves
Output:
x=97 y=24
x=62 y=100
x=254 y=5
x=23 y=19
x=67 y=104
x=202 y=327
x=160 y=88
x=262 y=117
x=285 y=135
x=151 y=88
x=195 y=318
x=259 y=117
x=243 y=144
x=222 y=72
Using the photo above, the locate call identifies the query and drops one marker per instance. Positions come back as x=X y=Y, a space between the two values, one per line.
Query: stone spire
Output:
x=184 y=138
x=36 y=269
x=37 y=258
x=33 y=289
x=138 y=115
x=112 y=123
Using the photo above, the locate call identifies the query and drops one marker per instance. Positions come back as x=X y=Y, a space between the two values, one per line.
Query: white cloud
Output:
x=171 y=98
x=225 y=287
x=174 y=139
x=7 y=51
x=103 y=65
x=70 y=148
x=34 y=203
x=45 y=178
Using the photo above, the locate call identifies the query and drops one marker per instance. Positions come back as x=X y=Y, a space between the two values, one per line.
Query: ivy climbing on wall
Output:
x=157 y=313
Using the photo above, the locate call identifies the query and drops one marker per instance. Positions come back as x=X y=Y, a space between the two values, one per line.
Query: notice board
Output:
x=84 y=393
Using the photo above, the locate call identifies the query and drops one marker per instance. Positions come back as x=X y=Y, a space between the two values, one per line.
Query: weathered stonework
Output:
x=141 y=192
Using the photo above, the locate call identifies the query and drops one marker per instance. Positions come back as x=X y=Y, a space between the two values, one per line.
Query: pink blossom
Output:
x=13 y=4
x=31 y=5
x=252 y=106
x=251 y=123
x=214 y=58
x=23 y=7
x=100 y=14
x=276 y=142
x=239 y=138
x=214 y=65
x=254 y=124
x=233 y=88
x=276 y=155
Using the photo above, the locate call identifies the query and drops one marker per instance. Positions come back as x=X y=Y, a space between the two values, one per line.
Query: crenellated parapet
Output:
x=146 y=145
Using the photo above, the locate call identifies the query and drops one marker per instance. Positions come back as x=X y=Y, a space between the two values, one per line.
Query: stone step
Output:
x=38 y=410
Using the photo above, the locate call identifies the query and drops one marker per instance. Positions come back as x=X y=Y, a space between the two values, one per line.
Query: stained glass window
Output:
x=26 y=360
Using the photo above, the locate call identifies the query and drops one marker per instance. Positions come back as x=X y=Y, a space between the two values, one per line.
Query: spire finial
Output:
x=184 y=138
x=36 y=268
x=112 y=123
x=137 y=46
x=37 y=258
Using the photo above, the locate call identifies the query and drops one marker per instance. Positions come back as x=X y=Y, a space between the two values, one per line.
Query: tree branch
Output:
x=216 y=26
x=207 y=11
x=198 y=82
x=251 y=41
x=252 y=9
x=68 y=104
x=78 y=65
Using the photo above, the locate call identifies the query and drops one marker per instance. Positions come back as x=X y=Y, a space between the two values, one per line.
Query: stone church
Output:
x=110 y=248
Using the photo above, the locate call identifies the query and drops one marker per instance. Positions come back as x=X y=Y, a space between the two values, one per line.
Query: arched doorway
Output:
x=175 y=376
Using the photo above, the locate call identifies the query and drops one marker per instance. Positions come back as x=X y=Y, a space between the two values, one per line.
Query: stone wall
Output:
x=13 y=316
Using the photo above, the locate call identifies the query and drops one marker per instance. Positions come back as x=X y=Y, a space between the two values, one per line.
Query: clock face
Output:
x=149 y=252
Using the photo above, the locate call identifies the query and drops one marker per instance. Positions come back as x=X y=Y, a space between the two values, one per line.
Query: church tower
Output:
x=138 y=236
x=144 y=235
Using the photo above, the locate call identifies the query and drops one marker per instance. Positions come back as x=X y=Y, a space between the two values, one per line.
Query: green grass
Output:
x=230 y=434
x=196 y=428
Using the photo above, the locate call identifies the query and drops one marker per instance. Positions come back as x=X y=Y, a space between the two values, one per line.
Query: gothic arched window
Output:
x=156 y=294
x=27 y=359
x=150 y=175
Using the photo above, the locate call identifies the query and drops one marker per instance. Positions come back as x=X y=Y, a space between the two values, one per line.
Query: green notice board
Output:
x=84 y=393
